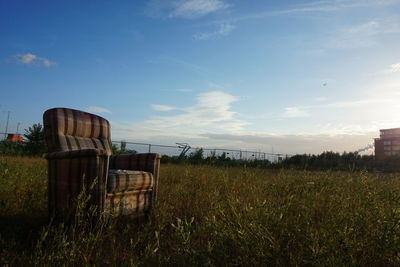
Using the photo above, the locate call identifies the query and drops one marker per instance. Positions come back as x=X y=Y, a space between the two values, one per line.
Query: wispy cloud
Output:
x=294 y=143
x=161 y=107
x=32 y=59
x=96 y=109
x=364 y=35
x=394 y=68
x=184 y=90
x=223 y=30
x=187 y=9
x=334 y=5
x=391 y=69
x=294 y=112
x=314 y=7
x=196 y=8
x=212 y=111
x=303 y=111
x=320 y=98
x=191 y=67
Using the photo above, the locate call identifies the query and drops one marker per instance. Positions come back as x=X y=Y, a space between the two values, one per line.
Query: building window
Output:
x=387 y=142
x=387 y=148
x=388 y=153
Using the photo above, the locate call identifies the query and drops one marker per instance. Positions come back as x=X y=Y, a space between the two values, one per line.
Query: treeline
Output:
x=34 y=144
x=351 y=161
x=347 y=161
x=197 y=158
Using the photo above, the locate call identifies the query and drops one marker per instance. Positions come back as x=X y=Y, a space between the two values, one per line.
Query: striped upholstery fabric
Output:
x=148 y=162
x=67 y=178
x=129 y=202
x=123 y=180
x=79 y=146
x=76 y=153
x=69 y=129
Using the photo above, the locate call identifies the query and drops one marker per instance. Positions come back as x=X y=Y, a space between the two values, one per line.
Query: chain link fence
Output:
x=177 y=150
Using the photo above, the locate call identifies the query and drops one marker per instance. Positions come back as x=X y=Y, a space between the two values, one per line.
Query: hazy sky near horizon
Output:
x=298 y=76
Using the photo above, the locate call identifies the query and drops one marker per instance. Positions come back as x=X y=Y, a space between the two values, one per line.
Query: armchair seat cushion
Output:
x=125 y=180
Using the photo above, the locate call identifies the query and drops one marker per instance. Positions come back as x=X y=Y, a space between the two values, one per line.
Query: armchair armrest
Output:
x=70 y=172
x=149 y=162
x=81 y=153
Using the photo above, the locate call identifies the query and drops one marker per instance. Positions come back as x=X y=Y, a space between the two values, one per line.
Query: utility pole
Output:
x=18 y=127
x=8 y=118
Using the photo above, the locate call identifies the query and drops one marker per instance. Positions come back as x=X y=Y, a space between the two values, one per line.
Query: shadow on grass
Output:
x=22 y=230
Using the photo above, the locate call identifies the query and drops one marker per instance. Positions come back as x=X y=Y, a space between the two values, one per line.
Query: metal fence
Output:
x=176 y=150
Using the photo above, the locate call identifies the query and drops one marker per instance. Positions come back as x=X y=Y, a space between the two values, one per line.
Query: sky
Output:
x=267 y=75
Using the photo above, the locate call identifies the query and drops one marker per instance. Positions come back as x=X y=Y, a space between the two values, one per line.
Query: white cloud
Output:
x=32 y=59
x=394 y=68
x=96 y=109
x=188 y=9
x=294 y=143
x=358 y=36
x=366 y=103
x=294 y=112
x=223 y=30
x=193 y=68
x=161 y=107
x=212 y=111
x=364 y=35
x=319 y=6
x=320 y=98
x=334 y=5
x=184 y=90
x=26 y=58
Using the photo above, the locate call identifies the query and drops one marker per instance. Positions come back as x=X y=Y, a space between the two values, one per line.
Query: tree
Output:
x=196 y=157
x=122 y=149
x=35 y=143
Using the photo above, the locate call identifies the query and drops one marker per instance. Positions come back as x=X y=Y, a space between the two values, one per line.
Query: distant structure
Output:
x=16 y=138
x=388 y=144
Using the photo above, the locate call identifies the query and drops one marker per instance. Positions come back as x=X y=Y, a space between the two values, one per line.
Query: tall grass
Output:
x=211 y=216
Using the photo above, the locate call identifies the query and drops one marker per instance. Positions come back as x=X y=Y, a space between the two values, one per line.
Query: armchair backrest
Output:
x=70 y=129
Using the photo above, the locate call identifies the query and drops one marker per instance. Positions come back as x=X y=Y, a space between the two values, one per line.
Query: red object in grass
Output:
x=15 y=138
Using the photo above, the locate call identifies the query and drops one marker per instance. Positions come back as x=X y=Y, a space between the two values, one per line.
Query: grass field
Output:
x=212 y=216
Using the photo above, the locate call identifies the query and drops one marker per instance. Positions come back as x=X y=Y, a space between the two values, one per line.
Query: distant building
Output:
x=388 y=144
x=15 y=138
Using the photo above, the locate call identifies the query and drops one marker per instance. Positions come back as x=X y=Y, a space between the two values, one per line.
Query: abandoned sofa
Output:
x=79 y=156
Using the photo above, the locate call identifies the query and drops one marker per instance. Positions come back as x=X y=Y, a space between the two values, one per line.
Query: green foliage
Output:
x=35 y=144
x=119 y=150
x=196 y=157
x=211 y=216
x=335 y=161
x=326 y=161
x=12 y=148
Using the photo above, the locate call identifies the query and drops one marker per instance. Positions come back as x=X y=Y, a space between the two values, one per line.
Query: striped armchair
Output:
x=79 y=155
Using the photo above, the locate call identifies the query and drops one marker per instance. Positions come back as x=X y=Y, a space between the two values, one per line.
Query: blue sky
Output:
x=298 y=76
